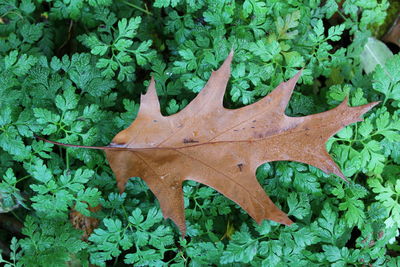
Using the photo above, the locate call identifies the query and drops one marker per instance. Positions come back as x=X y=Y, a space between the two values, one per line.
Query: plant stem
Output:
x=138 y=8
x=67 y=158
x=17 y=217
x=23 y=178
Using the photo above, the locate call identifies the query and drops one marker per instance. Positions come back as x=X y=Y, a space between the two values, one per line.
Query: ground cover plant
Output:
x=73 y=72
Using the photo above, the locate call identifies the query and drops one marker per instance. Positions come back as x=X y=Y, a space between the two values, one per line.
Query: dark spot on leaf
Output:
x=189 y=140
x=240 y=166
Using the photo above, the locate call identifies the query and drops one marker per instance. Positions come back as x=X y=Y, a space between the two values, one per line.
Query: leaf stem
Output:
x=23 y=178
x=67 y=158
x=138 y=8
x=17 y=217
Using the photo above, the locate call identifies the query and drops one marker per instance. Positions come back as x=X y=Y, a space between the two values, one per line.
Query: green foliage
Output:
x=116 y=49
x=73 y=71
x=10 y=196
x=385 y=82
x=47 y=243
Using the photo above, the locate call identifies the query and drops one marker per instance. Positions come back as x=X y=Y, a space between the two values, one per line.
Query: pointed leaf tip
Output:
x=365 y=108
x=298 y=74
x=372 y=104
x=361 y=110
x=149 y=100
x=293 y=81
x=287 y=221
x=152 y=87
x=152 y=81
x=227 y=61
x=284 y=92
x=226 y=66
x=231 y=53
x=341 y=175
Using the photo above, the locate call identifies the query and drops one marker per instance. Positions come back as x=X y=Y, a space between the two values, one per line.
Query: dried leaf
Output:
x=84 y=223
x=375 y=53
x=393 y=35
x=222 y=148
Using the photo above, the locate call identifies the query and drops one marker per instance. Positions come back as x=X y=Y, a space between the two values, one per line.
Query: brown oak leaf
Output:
x=85 y=223
x=393 y=34
x=222 y=148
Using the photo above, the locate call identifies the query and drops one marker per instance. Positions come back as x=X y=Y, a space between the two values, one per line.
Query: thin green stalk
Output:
x=23 y=178
x=67 y=158
x=17 y=217
x=138 y=8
